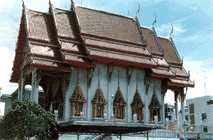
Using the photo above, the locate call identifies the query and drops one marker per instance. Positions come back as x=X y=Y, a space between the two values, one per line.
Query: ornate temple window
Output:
x=98 y=102
x=119 y=103
x=154 y=107
x=137 y=104
x=77 y=100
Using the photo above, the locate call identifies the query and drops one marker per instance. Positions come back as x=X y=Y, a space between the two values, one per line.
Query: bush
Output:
x=27 y=119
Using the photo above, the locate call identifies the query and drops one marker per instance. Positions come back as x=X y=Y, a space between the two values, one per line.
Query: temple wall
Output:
x=110 y=88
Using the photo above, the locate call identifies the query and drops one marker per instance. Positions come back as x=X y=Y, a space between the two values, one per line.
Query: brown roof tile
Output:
x=161 y=62
x=69 y=47
x=42 y=50
x=48 y=65
x=108 y=25
x=178 y=82
x=65 y=23
x=38 y=26
x=150 y=40
x=162 y=72
x=179 y=71
x=116 y=56
x=168 y=50
x=76 y=60
x=117 y=47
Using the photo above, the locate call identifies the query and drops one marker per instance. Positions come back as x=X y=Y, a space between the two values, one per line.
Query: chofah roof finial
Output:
x=50 y=6
x=171 y=31
x=138 y=9
x=155 y=20
x=72 y=8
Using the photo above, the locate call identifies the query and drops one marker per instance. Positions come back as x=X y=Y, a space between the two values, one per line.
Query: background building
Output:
x=198 y=113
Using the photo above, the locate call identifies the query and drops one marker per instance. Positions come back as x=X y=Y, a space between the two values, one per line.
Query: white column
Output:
x=127 y=101
x=182 y=105
x=176 y=112
x=36 y=91
x=146 y=109
x=163 y=112
x=66 y=107
x=32 y=90
x=22 y=89
x=109 y=101
x=19 y=92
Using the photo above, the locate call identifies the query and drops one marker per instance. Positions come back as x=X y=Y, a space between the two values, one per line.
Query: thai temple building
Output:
x=103 y=72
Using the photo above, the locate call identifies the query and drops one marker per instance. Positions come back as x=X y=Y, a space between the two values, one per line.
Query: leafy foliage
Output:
x=28 y=119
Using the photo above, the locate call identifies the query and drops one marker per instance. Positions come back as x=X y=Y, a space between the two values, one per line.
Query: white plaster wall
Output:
x=110 y=88
x=72 y=85
x=157 y=84
x=132 y=90
x=113 y=85
x=94 y=86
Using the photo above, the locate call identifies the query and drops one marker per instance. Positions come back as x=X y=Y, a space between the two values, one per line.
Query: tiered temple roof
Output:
x=81 y=37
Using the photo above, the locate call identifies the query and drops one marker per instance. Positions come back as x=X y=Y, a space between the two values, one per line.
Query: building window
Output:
x=204 y=117
x=186 y=117
x=191 y=108
x=154 y=108
x=192 y=119
x=205 y=129
x=137 y=106
x=186 y=110
x=119 y=105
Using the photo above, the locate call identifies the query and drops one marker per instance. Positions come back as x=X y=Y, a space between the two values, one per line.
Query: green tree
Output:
x=27 y=119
